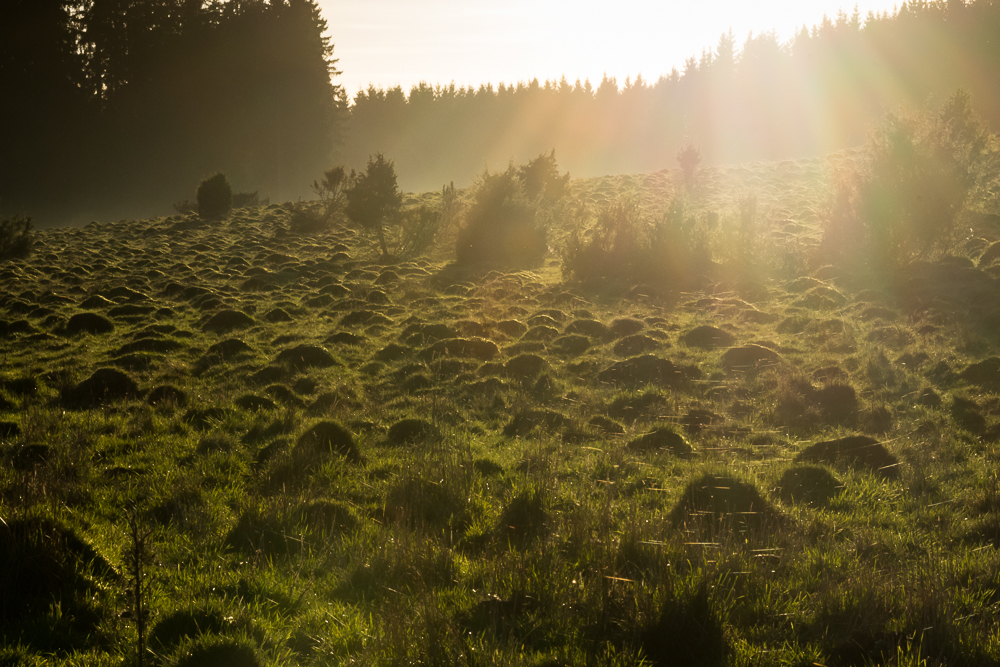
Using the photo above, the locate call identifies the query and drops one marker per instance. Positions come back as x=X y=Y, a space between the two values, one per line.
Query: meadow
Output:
x=231 y=443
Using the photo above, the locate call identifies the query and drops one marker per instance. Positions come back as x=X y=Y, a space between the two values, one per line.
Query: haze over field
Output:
x=396 y=42
x=125 y=108
x=700 y=369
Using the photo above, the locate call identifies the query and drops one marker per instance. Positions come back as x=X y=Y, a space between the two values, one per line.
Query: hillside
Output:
x=310 y=458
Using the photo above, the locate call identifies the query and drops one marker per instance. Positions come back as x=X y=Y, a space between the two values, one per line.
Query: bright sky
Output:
x=471 y=42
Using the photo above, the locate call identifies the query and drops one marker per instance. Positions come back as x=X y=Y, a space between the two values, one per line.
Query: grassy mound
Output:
x=715 y=503
x=856 y=451
x=373 y=461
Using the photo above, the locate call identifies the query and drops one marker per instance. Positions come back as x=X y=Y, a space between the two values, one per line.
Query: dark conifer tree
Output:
x=373 y=198
x=46 y=110
x=133 y=102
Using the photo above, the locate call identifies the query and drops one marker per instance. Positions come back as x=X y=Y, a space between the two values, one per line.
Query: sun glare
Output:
x=390 y=42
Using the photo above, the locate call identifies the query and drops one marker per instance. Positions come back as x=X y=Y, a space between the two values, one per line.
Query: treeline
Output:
x=765 y=100
x=118 y=108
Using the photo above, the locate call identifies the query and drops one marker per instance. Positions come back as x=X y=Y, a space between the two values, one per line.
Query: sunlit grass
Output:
x=495 y=511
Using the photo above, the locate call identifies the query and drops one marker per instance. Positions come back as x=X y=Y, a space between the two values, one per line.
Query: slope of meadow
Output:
x=310 y=458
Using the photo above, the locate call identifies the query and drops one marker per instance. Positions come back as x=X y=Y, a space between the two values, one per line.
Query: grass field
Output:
x=249 y=446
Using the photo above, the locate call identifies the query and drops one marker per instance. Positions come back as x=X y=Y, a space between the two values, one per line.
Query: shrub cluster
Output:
x=15 y=237
x=506 y=222
x=246 y=199
x=419 y=228
x=372 y=200
x=331 y=189
x=500 y=226
x=626 y=245
x=906 y=198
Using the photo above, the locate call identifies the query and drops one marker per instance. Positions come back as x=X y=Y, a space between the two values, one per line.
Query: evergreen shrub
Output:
x=373 y=200
x=215 y=197
x=689 y=158
x=16 y=238
x=500 y=224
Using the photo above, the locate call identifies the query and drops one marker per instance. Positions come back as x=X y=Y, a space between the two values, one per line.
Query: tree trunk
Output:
x=381 y=242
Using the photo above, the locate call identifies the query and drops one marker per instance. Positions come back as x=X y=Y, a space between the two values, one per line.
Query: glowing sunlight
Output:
x=396 y=42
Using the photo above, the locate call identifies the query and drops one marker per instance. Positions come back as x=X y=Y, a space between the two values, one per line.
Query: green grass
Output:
x=493 y=501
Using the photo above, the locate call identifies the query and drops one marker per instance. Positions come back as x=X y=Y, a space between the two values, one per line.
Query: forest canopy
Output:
x=743 y=100
x=119 y=108
x=125 y=105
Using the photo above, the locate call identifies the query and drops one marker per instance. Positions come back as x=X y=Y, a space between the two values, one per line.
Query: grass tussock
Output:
x=698 y=431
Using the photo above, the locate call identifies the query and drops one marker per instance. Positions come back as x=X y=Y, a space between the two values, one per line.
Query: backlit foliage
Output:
x=908 y=197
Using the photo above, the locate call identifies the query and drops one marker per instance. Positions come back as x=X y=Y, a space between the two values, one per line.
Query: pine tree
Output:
x=373 y=199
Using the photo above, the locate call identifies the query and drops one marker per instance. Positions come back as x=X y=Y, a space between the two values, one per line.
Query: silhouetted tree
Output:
x=215 y=197
x=501 y=226
x=689 y=158
x=541 y=177
x=373 y=198
x=128 y=101
x=46 y=110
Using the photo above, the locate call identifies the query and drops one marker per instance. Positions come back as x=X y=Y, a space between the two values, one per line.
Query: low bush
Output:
x=331 y=191
x=246 y=200
x=307 y=220
x=452 y=208
x=506 y=224
x=16 y=238
x=419 y=229
x=689 y=158
x=627 y=245
x=906 y=197
x=501 y=225
x=215 y=197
